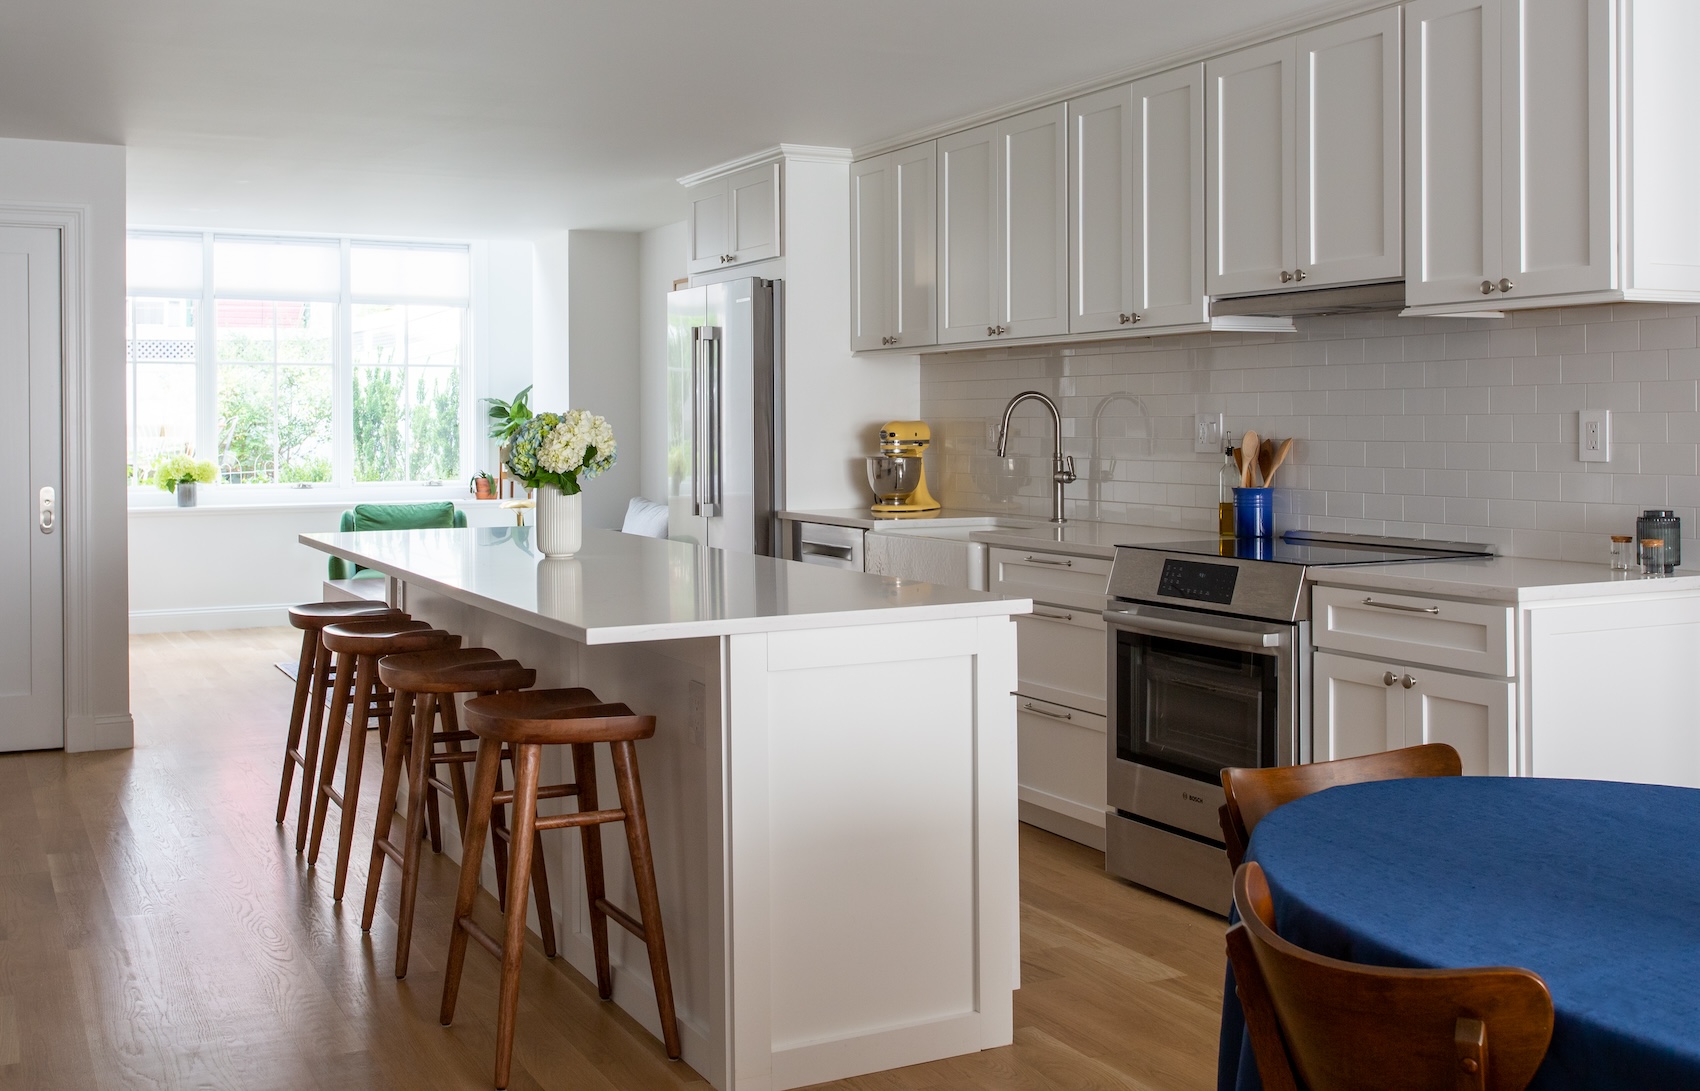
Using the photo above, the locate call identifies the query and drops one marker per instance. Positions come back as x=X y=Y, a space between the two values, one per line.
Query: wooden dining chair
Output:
x=1253 y=793
x=1329 y=1025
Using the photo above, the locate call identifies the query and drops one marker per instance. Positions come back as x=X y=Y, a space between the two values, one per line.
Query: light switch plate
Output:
x=1207 y=433
x=1593 y=435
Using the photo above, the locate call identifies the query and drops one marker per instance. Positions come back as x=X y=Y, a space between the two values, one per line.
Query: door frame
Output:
x=85 y=727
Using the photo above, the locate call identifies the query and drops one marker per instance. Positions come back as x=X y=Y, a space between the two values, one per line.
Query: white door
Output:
x=1453 y=66
x=968 y=234
x=753 y=222
x=1033 y=193
x=1350 y=214
x=1102 y=161
x=870 y=259
x=1472 y=715
x=1556 y=88
x=912 y=224
x=709 y=240
x=1168 y=276
x=1252 y=141
x=1358 y=707
x=31 y=567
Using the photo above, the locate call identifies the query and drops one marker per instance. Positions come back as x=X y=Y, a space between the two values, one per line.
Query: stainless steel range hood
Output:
x=1387 y=295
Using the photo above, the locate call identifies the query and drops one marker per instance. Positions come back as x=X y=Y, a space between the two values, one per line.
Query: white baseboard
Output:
x=114 y=731
x=213 y=617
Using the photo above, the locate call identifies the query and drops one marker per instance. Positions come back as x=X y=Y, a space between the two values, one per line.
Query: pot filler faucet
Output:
x=1062 y=466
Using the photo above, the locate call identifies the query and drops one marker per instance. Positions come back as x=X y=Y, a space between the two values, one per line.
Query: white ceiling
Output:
x=505 y=118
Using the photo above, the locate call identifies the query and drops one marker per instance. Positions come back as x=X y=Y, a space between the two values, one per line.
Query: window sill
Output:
x=231 y=500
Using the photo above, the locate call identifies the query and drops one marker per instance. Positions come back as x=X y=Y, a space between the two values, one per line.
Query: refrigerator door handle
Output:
x=696 y=420
x=713 y=485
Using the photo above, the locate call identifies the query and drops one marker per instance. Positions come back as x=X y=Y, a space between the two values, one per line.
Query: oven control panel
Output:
x=1198 y=581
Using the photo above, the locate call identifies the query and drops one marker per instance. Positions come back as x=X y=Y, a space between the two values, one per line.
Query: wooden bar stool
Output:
x=312 y=680
x=526 y=722
x=358 y=646
x=425 y=685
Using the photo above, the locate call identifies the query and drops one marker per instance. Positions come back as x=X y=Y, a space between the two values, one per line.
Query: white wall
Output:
x=602 y=360
x=549 y=321
x=90 y=179
x=661 y=261
x=502 y=334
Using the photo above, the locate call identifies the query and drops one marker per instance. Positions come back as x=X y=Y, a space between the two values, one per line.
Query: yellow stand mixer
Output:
x=896 y=474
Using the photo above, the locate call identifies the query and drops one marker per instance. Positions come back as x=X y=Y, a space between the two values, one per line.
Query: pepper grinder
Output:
x=1662 y=523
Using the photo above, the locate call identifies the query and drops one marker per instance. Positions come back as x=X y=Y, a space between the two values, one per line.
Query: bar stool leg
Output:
x=333 y=744
x=393 y=761
x=310 y=755
x=297 y=714
x=365 y=684
x=500 y=837
x=419 y=770
x=649 y=902
x=457 y=775
x=527 y=760
x=595 y=879
x=471 y=864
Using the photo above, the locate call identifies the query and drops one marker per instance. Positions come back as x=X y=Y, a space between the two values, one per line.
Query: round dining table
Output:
x=1594 y=885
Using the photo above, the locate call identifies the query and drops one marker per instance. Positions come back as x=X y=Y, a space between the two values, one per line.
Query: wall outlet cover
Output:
x=1207 y=433
x=1593 y=435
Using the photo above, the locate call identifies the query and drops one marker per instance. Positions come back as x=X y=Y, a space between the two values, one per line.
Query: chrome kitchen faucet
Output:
x=1062 y=466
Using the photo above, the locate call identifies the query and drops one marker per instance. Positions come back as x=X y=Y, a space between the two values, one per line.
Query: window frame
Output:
x=342 y=482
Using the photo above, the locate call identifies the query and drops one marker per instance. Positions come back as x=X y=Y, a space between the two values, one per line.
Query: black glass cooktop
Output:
x=1281 y=551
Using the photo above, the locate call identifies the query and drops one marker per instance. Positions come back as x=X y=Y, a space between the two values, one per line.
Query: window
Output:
x=298 y=361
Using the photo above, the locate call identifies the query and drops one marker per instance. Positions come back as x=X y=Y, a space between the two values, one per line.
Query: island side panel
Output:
x=872 y=806
x=680 y=683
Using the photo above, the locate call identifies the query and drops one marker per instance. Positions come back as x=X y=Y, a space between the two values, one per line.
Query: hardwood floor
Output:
x=157 y=930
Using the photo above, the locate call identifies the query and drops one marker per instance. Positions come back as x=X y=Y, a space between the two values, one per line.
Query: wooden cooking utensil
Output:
x=1239 y=460
x=1266 y=459
x=1249 y=446
x=1281 y=453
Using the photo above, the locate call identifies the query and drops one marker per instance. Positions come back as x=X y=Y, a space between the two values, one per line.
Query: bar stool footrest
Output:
x=579 y=818
x=622 y=918
x=485 y=939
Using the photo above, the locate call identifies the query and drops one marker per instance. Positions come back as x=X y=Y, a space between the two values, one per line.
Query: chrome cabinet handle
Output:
x=1299 y=275
x=1506 y=284
x=1487 y=287
x=1286 y=277
x=1399 y=606
x=49 y=516
x=1031 y=707
x=1389 y=678
x=1054 y=617
x=1408 y=681
x=1045 y=560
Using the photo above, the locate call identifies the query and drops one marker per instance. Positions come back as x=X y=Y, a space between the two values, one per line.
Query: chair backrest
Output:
x=1336 y=1025
x=1253 y=793
x=434 y=515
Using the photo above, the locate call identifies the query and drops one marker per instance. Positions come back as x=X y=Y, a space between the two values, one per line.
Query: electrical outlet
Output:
x=1593 y=435
x=1207 y=433
x=699 y=712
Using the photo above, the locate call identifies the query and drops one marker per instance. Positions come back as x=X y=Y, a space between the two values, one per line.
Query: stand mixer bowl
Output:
x=893 y=477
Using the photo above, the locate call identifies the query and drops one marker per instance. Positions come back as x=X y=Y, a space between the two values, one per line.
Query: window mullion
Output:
x=342 y=382
x=206 y=362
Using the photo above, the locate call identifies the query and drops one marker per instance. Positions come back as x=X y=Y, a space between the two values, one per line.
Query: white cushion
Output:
x=646 y=517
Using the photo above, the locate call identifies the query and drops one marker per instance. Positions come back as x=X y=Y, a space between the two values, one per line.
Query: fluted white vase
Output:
x=560 y=522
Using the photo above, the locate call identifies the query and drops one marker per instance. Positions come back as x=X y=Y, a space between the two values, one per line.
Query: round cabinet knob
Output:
x=1298 y=274
x=1126 y=318
x=1408 y=681
x=892 y=340
x=1389 y=678
x=885 y=340
x=1134 y=319
x=1487 y=287
x=1286 y=277
x=1505 y=284
x=991 y=331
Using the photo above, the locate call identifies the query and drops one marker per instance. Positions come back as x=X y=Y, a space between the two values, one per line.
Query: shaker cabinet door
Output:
x=1168 y=199
x=1472 y=715
x=912 y=218
x=1103 y=164
x=1251 y=148
x=752 y=214
x=871 y=260
x=968 y=234
x=708 y=242
x=1354 y=709
x=1032 y=270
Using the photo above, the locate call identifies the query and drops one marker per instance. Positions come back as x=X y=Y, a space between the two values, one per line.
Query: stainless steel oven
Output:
x=1209 y=667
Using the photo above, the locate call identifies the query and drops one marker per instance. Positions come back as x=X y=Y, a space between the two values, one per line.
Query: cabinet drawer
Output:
x=1061 y=759
x=1469 y=636
x=1062 y=656
x=1081 y=582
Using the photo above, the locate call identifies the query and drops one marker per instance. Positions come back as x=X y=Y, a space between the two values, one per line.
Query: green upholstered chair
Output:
x=437 y=515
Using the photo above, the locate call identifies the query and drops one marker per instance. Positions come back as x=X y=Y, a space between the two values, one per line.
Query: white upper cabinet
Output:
x=1303 y=145
x=893 y=249
x=1136 y=205
x=735 y=219
x=1002 y=235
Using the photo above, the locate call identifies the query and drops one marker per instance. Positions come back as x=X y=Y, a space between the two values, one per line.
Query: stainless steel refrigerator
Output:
x=724 y=479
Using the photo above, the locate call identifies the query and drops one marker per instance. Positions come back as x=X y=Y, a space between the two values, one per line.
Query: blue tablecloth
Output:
x=1594 y=885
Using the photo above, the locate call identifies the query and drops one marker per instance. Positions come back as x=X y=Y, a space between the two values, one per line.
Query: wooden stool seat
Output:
x=313 y=678
x=358 y=646
x=523 y=723
x=425 y=685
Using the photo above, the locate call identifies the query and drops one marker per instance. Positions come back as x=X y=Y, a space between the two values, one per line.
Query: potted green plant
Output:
x=483 y=486
x=181 y=473
x=508 y=417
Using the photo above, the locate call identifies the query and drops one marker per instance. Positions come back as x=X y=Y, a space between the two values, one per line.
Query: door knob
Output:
x=1487 y=287
x=1408 y=681
x=49 y=515
x=1389 y=678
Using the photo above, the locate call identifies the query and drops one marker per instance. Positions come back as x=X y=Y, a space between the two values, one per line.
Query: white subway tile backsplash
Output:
x=1447 y=428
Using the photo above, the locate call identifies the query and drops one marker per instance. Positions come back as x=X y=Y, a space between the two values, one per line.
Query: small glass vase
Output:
x=559 y=529
x=185 y=492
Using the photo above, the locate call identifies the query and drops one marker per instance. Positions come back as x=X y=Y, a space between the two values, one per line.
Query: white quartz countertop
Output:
x=1508 y=579
x=621 y=588
x=1077 y=538
x=868 y=519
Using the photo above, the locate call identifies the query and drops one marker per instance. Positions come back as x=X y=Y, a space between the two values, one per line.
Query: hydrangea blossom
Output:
x=560 y=449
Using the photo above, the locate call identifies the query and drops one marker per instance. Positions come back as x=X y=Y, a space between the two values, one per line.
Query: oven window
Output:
x=1193 y=709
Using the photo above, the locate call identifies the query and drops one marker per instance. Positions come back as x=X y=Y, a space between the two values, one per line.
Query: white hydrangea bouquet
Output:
x=561 y=449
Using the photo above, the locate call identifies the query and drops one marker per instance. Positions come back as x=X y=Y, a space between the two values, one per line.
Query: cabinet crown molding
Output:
x=796 y=153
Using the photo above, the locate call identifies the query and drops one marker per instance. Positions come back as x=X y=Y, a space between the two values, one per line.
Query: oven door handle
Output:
x=1204 y=634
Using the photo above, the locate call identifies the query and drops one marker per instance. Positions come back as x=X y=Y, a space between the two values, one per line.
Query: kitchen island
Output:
x=831 y=787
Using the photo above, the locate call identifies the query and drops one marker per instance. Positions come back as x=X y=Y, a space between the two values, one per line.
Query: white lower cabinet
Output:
x=1060 y=758
x=1062 y=658
x=1367 y=706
